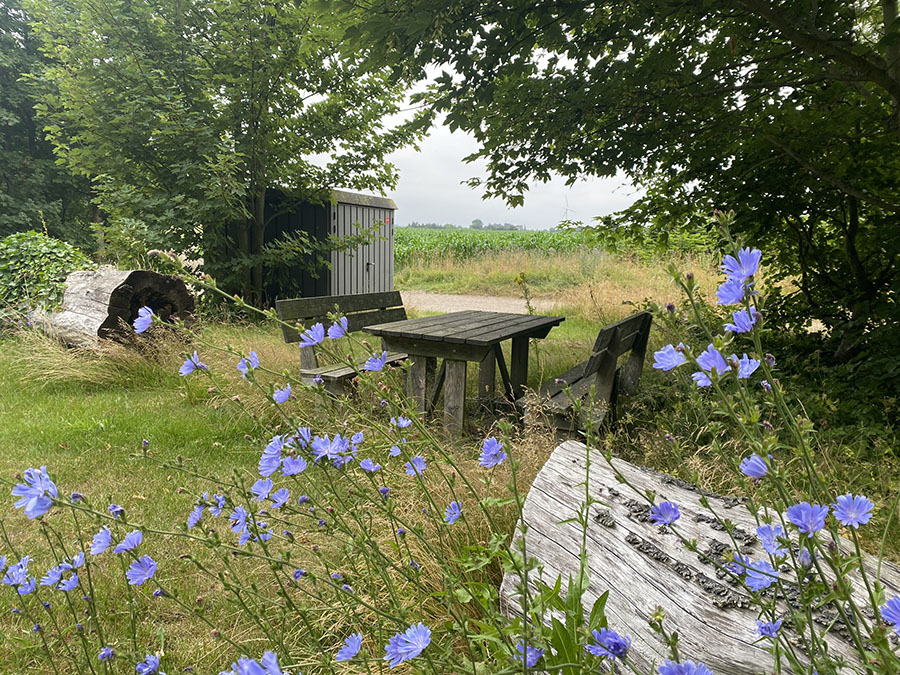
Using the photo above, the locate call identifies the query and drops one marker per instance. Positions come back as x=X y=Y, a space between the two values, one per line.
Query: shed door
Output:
x=370 y=268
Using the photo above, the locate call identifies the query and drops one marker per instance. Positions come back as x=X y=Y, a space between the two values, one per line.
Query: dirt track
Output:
x=439 y=302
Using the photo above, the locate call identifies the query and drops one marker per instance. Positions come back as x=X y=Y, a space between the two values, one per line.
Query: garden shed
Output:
x=367 y=269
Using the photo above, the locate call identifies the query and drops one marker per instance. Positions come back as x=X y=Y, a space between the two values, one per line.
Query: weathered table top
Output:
x=471 y=327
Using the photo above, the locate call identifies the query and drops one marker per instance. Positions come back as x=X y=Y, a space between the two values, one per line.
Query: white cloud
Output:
x=430 y=189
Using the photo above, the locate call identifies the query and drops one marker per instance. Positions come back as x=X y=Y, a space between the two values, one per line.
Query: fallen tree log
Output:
x=102 y=304
x=644 y=566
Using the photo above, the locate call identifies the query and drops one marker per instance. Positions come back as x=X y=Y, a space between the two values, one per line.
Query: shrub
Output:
x=34 y=267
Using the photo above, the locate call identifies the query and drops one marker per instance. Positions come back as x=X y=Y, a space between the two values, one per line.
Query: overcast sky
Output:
x=430 y=190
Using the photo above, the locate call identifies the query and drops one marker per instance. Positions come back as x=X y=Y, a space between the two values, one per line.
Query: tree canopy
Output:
x=187 y=115
x=34 y=191
x=788 y=113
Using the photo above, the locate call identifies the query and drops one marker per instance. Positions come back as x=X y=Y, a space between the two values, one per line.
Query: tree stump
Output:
x=644 y=566
x=102 y=304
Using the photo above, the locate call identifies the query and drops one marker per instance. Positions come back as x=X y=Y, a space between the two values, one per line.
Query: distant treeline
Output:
x=477 y=224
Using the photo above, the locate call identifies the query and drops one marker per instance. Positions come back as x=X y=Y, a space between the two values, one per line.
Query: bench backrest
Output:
x=361 y=310
x=628 y=335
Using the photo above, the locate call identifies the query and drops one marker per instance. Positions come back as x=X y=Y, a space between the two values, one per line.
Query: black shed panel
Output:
x=367 y=269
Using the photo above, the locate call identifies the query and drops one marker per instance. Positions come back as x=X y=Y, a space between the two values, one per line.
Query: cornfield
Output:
x=413 y=244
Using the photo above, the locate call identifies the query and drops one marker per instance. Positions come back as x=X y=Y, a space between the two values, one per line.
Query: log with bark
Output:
x=102 y=304
x=644 y=566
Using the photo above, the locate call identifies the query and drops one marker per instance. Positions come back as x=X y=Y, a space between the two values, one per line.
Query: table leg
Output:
x=418 y=379
x=518 y=365
x=455 y=395
x=486 y=374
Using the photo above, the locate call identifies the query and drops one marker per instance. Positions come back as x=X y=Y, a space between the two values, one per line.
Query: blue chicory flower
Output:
x=747 y=366
x=101 y=541
x=282 y=395
x=407 y=645
x=731 y=292
x=69 y=584
x=395 y=451
x=754 y=466
x=375 y=362
x=452 y=513
x=744 y=267
x=150 y=666
x=131 y=541
x=238 y=519
x=609 y=644
x=743 y=321
x=890 y=612
x=280 y=497
x=262 y=488
x=492 y=453
x=712 y=360
x=141 y=570
x=293 y=466
x=115 y=510
x=195 y=515
x=384 y=492
x=401 y=422
x=853 y=511
x=664 y=513
x=313 y=336
x=415 y=466
x=218 y=504
x=761 y=575
x=191 y=364
x=768 y=629
x=338 y=329
x=106 y=654
x=351 y=647
x=809 y=518
x=531 y=655
x=329 y=448
x=143 y=320
x=271 y=457
x=669 y=357
x=686 y=668
x=37 y=493
x=248 y=363
x=369 y=465
x=769 y=536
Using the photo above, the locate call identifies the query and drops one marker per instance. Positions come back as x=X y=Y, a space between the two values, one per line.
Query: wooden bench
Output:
x=365 y=309
x=600 y=374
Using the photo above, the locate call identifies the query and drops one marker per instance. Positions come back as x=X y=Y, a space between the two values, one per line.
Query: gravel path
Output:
x=440 y=302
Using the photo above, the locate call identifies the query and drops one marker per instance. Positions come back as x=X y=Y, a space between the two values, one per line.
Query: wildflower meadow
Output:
x=367 y=545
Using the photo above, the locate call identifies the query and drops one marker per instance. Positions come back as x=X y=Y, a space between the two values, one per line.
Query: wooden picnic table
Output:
x=459 y=337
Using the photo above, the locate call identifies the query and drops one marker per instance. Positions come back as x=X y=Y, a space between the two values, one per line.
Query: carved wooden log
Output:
x=644 y=567
x=103 y=303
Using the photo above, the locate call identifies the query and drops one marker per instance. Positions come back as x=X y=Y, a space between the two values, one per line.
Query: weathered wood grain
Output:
x=644 y=567
x=103 y=303
x=599 y=374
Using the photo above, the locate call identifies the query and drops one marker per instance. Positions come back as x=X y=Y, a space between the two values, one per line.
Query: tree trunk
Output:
x=103 y=303
x=644 y=567
x=257 y=243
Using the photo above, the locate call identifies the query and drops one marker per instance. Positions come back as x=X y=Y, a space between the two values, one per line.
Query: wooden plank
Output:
x=631 y=372
x=518 y=366
x=455 y=396
x=526 y=325
x=643 y=566
x=552 y=387
x=487 y=372
x=439 y=350
x=297 y=309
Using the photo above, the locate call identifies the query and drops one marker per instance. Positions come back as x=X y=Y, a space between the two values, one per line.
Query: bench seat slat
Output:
x=340 y=371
